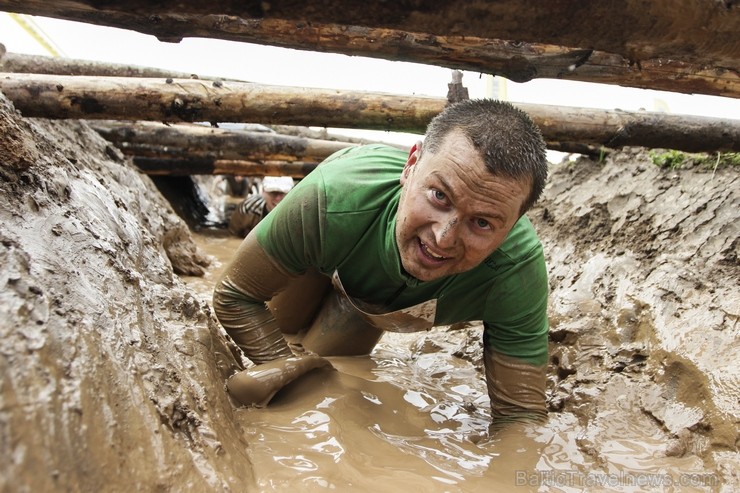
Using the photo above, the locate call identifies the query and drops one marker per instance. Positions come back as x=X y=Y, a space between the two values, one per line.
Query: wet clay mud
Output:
x=115 y=369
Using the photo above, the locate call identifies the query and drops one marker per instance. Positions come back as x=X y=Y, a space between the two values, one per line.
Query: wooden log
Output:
x=517 y=61
x=210 y=166
x=136 y=139
x=701 y=32
x=324 y=134
x=187 y=100
x=168 y=152
x=193 y=100
x=133 y=138
x=37 y=64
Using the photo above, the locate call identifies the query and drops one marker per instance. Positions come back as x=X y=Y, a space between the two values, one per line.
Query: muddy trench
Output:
x=114 y=366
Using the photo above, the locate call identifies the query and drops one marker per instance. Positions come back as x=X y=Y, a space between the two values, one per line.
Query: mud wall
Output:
x=644 y=303
x=112 y=372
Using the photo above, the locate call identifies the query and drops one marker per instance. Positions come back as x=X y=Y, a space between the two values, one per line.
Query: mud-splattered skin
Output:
x=453 y=213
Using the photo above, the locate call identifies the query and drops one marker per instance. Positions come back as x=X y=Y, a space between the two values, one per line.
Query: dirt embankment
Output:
x=644 y=307
x=113 y=371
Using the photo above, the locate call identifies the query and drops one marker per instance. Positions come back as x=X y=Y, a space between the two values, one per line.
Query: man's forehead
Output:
x=458 y=151
x=454 y=137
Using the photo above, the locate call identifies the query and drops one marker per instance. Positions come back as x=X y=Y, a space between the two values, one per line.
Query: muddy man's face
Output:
x=453 y=212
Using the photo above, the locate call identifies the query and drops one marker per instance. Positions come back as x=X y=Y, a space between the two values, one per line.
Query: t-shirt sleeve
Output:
x=515 y=319
x=292 y=232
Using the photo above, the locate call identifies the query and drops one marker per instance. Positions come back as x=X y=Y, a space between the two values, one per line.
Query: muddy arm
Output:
x=239 y=299
x=241 y=224
x=243 y=219
x=516 y=388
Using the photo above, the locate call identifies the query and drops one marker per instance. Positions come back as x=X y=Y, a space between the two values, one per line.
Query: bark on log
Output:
x=210 y=166
x=519 y=62
x=514 y=60
x=226 y=144
x=704 y=32
x=193 y=100
x=186 y=100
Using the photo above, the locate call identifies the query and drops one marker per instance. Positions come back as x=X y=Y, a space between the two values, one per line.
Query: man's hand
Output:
x=256 y=386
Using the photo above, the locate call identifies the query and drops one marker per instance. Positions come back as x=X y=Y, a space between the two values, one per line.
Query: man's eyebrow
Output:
x=450 y=193
x=445 y=185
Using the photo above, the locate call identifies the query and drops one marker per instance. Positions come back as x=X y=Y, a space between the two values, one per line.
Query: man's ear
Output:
x=414 y=155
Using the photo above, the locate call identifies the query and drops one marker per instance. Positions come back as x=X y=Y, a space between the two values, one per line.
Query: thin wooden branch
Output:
x=37 y=64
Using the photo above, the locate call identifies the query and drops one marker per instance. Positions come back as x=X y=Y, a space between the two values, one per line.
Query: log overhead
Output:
x=156 y=139
x=656 y=45
x=188 y=100
x=213 y=166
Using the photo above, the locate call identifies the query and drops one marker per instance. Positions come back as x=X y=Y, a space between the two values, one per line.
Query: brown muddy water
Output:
x=412 y=416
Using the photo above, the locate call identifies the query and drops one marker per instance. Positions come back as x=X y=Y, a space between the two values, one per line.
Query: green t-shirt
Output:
x=342 y=217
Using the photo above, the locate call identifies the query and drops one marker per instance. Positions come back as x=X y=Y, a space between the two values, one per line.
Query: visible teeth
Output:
x=430 y=253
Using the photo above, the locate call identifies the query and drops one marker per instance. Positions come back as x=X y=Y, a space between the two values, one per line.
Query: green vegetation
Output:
x=676 y=159
x=668 y=159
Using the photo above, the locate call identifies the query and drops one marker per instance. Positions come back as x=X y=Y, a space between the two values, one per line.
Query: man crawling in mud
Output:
x=379 y=239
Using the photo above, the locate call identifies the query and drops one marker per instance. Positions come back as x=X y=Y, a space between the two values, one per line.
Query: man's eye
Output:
x=482 y=223
x=439 y=195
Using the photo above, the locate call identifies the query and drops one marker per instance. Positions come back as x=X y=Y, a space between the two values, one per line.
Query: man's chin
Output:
x=424 y=274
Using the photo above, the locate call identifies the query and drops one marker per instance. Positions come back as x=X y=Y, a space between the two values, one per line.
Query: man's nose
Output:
x=446 y=230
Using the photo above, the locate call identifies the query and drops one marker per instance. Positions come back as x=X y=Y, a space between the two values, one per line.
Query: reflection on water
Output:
x=404 y=421
x=354 y=427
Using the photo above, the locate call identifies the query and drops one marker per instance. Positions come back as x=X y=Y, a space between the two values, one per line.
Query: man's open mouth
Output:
x=427 y=252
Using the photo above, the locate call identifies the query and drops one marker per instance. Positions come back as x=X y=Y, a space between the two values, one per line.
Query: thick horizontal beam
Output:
x=113 y=98
x=188 y=100
x=692 y=31
x=692 y=72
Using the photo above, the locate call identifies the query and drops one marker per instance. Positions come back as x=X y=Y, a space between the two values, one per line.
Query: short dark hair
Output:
x=508 y=140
